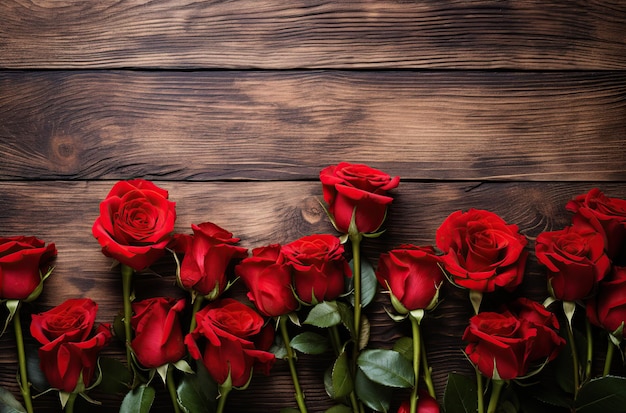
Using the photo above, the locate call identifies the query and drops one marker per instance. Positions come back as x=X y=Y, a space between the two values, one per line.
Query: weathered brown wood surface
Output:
x=514 y=107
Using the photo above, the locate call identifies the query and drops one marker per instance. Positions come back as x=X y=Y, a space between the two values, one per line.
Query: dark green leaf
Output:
x=460 y=394
x=404 y=346
x=138 y=400
x=341 y=379
x=35 y=375
x=324 y=314
x=197 y=393
x=8 y=403
x=605 y=394
x=373 y=395
x=369 y=283
x=340 y=408
x=310 y=343
x=387 y=367
x=347 y=316
x=115 y=376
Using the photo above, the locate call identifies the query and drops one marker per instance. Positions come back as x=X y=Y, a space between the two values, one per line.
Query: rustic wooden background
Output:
x=235 y=107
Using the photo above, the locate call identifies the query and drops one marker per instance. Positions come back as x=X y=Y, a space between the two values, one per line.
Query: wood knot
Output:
x=64 y=153
x=312 y=211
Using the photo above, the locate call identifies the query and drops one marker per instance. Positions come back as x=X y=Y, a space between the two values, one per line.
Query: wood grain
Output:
x=261 y=213
x=269 y=34
x=283 y=125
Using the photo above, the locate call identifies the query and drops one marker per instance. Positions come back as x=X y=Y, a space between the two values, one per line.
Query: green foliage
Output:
x=387 y=367
x=324 y=314
x=310 y=343
x=602 y=395
x=460 y=394
x=373 y=395
x=138 y=400
x=8 y=403
x=115 y=376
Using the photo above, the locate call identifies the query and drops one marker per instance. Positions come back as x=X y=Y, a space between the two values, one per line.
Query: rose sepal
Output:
x=12 y=306
x=617 y=335
x=39 y=289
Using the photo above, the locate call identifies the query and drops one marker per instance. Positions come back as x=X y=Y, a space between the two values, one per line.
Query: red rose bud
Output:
x=319 y=267
x=575 y=260
x=207 y=258
x=607 y=309
x=609 y=214
x=224 y=340
x=136 y=223
x=412 y=275
x=357 y=189
x=23 y=264
x=482 y=252
x=69 y=348
x=425 y=404
x=268 y=280
x=504 y=345
x=158 y=334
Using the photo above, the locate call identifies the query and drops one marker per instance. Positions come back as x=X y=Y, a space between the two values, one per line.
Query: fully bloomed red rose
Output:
x=158 y=334
x=319 y=267
x=136 y=223
x=412 y=274
x=207 y=258
x=610 y=214
x=70 y=347
x=22 y=262
x=425 y=404
x=356 y=188
x=607 y=309
x=226 y=339
x=268 y=279
x=482 y=252
x=504 y=345
x=575 y=259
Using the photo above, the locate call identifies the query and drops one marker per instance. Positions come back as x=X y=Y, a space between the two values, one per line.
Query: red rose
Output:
x=412 y=275
x=607 y=309
x=225 y=338
x=482 y=252
x=69 y=350
x=610 y=214
x=211 y=250
x=425 y=404
x=319 y=267
x=268 y=279
x=22 y=262
x=504 y=345
x=354 y=188
x=136 y=223
x=575 y=259
x=158 y=334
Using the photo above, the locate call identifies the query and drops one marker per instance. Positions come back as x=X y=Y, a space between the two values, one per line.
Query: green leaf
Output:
x=324 y=314
x=340 y=376
x=340 y=408
x=115 y=376
x=347 y=317
x=369 y=283
x=404 y=346
x=138 y=400
x=387 y=367
x=605 y=394
x=373 y=395
x=8 y=403
x=35 y=375
x=310 y=343
x=197 y=392
x=460 y=395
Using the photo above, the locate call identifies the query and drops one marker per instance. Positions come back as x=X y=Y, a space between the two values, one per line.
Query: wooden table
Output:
x=235 y=106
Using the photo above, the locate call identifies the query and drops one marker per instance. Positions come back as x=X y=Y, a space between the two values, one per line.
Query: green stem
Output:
x=127 y=287
x=197 y=304
x=575 y=363
x=69 y=406
x=21 y=356
x=479 y=391
x=609 y=358
x=495 y=396
x=589 y=349
x=417 y=347
x=355 y=240
x=427 y=374
x=171 y=388
x=335 y=340
x=221 y=401
x=292 y=365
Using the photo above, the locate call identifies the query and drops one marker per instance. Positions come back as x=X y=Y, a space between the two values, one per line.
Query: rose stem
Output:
x=427 y=376
x=495 y=396
x=292 y=365
x=609 y=358
x=570 y=336
x=69 y=405
x=127 y=281
x=333 y=331
x=355 y=239
x=21 y=356
x=221 y=402
x=589 y=349
x=479 y=391
x=171 y=387
x=417 y=346
x=197 y=304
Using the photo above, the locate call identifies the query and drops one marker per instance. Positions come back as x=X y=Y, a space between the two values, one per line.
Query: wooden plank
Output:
x=261 y=213
x=282 y=125
x=269 y=34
